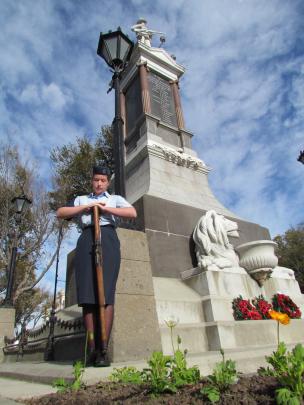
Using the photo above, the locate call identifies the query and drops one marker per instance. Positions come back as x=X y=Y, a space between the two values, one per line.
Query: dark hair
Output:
x=102 y=170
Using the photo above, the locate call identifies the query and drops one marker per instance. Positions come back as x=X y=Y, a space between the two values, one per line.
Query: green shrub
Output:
x=163 y=374
x=127 y=375
x=180 y=374
x=158 y=374
x=62 y=385
x=224 y=374
x=288 y=368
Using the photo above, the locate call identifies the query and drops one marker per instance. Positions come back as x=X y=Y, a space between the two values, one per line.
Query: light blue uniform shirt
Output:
x=115 y=201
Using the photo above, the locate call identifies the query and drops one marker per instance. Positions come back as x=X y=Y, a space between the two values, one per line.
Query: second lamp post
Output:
x=20 y=204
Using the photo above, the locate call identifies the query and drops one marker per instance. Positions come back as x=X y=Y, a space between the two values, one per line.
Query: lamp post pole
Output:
x=8 y=302
x=21 y=203
x=119 y=145
x=49 y=350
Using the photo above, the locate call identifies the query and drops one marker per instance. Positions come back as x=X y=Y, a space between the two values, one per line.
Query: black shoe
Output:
x=102 y=360
x=91 y=357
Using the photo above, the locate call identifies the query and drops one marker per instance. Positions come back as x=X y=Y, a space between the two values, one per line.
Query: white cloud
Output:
x=51 y=95
x=54 y=96
x=30 y=94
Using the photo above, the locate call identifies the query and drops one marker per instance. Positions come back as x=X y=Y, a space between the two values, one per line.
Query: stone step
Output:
x=176 y=301
x=193 y=337
x=206 y=336
x=180 y=311
x=248 y=359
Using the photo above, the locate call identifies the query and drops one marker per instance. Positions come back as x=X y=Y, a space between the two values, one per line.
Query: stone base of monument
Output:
x=135 y=331
x=201 y=304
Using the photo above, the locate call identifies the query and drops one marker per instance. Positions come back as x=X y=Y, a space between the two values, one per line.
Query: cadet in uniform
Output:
x=110 y=206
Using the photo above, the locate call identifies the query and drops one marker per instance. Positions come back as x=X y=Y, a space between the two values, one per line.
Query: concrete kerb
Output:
x=8 y=401
x=20 y=390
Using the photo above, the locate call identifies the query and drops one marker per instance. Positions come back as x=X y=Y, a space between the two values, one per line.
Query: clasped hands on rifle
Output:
x=101 y=205
x=69 y=212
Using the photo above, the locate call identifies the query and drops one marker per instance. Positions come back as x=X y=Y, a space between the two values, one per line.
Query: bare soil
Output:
x=247 y=391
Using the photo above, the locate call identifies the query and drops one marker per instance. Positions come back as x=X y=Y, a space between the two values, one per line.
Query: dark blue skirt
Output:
x=85 y=272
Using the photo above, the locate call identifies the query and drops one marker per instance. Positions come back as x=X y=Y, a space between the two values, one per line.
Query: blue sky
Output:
x=242 y=93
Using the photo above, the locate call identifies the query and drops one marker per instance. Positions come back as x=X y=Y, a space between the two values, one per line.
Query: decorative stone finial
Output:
x=143 y=34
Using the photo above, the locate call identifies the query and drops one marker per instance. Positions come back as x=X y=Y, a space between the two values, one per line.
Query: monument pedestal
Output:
x=135 y=331
x=202 y=307
x=169 y=227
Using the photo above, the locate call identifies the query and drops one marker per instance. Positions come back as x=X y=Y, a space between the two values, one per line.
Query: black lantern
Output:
x=116 y=48
x=301 y=157
x=21 y=203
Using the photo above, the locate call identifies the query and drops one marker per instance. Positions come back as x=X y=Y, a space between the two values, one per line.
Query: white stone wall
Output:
x=161 y=171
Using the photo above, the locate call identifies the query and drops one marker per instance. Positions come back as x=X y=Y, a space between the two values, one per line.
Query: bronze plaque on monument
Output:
x=133 y=104
x=162 y=101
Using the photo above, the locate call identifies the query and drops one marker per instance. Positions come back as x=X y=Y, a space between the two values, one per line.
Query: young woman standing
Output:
x=110 y=206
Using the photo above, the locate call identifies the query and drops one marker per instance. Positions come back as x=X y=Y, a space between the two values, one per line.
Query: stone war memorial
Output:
x=187 y=256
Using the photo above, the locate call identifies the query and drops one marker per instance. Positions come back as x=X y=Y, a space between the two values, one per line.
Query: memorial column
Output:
x=145 y=94
x=178 y=105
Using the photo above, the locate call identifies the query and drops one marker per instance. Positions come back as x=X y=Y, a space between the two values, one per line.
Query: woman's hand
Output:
x=99 y=204
x=102 y=207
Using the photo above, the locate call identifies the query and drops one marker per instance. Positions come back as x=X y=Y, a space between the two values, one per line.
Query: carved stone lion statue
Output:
x=213 y=249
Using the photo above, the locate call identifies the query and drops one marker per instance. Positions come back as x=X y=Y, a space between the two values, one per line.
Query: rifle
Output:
x=99 y=276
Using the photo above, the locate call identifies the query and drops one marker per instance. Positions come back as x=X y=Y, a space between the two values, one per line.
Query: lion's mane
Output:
x=212 y=244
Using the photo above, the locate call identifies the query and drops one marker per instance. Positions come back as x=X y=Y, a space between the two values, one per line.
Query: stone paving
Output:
x=22 y=380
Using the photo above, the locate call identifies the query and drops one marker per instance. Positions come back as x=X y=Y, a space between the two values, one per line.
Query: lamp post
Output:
x=49 y=350
x=116 y=48
x=21 y=203
x=301 y=157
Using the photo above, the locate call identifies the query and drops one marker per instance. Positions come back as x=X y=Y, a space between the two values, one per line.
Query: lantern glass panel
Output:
x=26 y=203
x=104 y=53
x=19 y=202
x=111 y=44
x=124 y=49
